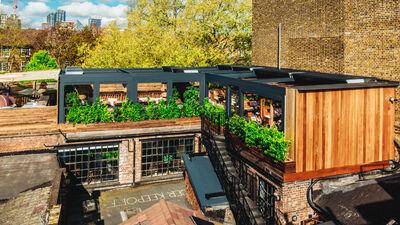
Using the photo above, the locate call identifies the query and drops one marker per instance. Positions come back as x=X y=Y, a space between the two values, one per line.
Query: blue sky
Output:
x=33 y=13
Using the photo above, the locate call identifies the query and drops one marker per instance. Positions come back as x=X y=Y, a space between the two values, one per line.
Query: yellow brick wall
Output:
x=360 y=37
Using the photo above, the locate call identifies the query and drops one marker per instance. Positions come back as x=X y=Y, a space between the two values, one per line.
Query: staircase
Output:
x=245 y=210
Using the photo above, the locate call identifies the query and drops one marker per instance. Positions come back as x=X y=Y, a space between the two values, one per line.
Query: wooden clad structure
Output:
x=339 y=131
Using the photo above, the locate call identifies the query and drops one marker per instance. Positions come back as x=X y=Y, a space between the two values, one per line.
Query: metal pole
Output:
x=228 y=101
x=279 y=44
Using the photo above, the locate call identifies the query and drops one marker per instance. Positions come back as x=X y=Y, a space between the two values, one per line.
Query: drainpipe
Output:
x=279 y=45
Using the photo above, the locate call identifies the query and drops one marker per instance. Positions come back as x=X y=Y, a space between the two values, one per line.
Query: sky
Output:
x=34 y=13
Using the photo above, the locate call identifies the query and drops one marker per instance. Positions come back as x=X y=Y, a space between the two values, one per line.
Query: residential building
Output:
x=94 y=22
x=3 y=18
x=55 y=18
x=10 y=21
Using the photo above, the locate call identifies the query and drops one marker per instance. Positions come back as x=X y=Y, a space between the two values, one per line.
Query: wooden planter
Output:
x=261 y=159
x=213 y=127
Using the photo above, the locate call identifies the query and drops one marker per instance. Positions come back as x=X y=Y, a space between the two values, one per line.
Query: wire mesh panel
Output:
x=164 y=156
x=266 y=200
x=91 y=163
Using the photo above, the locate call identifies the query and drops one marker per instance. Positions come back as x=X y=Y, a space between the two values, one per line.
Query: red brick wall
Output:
x=293 y=203
x=190 y=195
x=30 y=142
x=126 y=163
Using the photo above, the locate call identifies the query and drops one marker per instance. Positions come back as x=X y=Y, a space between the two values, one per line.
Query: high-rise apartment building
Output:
x=94 y=22
x=56 y=17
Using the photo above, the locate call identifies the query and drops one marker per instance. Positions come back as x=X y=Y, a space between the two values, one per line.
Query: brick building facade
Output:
x=340 y=36
x=336 y=36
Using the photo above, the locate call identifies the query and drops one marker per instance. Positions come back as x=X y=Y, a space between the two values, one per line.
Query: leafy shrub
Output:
x=191 y=105
x=270 y=140
x=89 y=113
x=214 y=113
x=130 y=111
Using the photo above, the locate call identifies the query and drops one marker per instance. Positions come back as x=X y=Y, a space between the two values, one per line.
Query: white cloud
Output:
x=34 y=14
x=86 y=9
x=35 y=9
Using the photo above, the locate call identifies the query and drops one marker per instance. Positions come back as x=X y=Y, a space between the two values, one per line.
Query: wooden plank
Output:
x=300 y=124
x=310 y=112
x=360 y=123
x=290 y=120
x=388 y=124
x=370 y=125
x=327 y=129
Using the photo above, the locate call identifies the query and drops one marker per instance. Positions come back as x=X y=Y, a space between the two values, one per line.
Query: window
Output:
x=4 y=66
x=266 y=200
x=25 y=52
x=91 y=163
x=22 y=66
x=5 y=52
x=164 y=156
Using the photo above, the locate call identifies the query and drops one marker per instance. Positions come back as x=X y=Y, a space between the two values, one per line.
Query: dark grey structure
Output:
x=245 y=79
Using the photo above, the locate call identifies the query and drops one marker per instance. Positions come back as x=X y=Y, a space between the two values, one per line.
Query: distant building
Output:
x=94 y=22
x=45 y=26
x=9 y=21
x=14 y=57
x=3 y=18
x=78 y=25
x=56 y=17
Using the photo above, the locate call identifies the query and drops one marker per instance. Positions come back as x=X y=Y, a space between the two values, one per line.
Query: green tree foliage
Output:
x=41 y=60
x=176 y=32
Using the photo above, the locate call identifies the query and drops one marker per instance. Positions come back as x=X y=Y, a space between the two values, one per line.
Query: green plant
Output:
x=191 y=104
x=41 y=60
x=167 y=158
x=89 y=113
x=130 y=111
x=268 y=139
x=214 y=113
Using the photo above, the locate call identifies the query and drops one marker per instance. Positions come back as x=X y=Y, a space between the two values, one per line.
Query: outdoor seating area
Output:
x=27 y=94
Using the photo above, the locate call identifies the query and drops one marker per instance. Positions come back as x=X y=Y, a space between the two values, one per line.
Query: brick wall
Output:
x=126 y=163
x=29 y=142
x=190 y=195
x=341 y=36
x=293 y=203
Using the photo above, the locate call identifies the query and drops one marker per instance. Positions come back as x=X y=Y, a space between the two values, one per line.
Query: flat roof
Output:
x=23 y=172
x=205 y=182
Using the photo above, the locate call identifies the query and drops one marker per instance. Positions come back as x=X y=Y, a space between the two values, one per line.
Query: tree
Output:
x=63 y=42
x=176 y=32
x=41 y=60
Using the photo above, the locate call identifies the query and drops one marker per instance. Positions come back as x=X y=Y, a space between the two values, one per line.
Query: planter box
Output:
x=282 y=167
x=213 y=127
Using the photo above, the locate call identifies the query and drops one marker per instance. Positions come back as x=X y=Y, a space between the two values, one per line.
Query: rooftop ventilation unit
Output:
x=180 y=70
x=324 y=78
x=73 y=70
x=167 y=68
x=224 y=67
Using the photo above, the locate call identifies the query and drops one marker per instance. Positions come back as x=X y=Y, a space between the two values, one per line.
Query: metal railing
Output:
x=231 y=184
